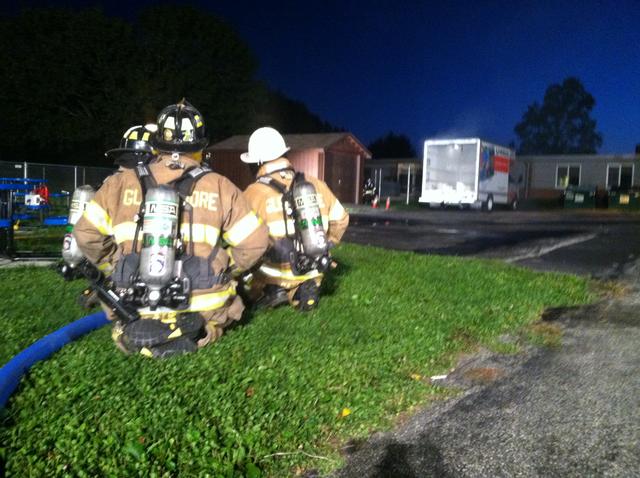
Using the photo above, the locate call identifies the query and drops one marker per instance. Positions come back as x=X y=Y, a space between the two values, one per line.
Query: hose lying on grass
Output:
x=14 y=369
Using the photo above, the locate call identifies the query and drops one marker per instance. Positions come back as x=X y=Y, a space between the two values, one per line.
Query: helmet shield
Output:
x=180 y=129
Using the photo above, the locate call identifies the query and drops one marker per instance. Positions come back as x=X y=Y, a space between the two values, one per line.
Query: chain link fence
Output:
x=59 y=178
x=21 y=223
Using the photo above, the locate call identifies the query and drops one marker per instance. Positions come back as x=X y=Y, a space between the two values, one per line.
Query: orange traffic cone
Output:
x=374 y=203
x=388 y=203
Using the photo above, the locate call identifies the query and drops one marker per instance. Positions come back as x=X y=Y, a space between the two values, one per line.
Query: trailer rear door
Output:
x=451 y=166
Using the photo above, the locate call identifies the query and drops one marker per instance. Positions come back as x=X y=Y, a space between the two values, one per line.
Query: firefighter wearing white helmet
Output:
x=304 y=218
x=175 y=231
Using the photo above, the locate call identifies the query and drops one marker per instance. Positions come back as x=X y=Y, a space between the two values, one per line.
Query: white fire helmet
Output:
x=265 y=144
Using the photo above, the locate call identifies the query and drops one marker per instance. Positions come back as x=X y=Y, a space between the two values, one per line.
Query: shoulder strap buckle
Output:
x=186 y=183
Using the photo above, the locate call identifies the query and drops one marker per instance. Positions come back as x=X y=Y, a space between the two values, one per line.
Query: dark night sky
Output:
x=447 y=69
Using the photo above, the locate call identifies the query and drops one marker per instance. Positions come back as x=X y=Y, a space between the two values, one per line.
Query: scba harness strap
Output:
x=286 y=192
x=184 y=185
x=291 y=248
x=197 y=269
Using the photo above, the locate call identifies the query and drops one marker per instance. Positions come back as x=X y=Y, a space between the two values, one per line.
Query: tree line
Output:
x=74 y=81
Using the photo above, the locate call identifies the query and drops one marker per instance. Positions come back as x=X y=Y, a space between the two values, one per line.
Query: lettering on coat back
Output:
x=274 y=205
x=131 y=197
x=199 y=199
x=204 y=200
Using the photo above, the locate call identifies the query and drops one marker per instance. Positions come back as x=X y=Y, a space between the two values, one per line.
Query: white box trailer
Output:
x=469 y=172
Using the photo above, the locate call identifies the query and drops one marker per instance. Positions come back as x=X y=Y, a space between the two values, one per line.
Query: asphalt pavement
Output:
x=570 y=411
x=595 y=243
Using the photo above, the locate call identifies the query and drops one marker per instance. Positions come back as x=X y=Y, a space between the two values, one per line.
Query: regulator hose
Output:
x=14 y=369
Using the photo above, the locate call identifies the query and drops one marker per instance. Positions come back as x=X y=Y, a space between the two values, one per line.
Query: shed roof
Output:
x=294 y=141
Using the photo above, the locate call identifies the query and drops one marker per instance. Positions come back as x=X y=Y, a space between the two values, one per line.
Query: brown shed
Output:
x=336 y=158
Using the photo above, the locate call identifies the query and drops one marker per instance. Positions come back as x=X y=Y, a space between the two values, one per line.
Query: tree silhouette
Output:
x=67 y=82
x=74 y=81
x=562 y=124
x=392 y=146
x=196 y=55
x=275 y=109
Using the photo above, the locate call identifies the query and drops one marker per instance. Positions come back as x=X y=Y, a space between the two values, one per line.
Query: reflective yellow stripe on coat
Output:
x=99 y=218
x=287 y=274
x=277 y=228
x=202 y=233
x=199 y=303
x=242 y=229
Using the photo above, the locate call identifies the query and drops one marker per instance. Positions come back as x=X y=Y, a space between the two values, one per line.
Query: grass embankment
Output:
x=273 y=397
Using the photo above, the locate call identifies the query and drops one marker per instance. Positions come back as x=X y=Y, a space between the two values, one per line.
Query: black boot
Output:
x=307 y=295
x=272 y=296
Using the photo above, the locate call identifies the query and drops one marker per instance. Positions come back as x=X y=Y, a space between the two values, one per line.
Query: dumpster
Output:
x=580 y=197
x=625 y=198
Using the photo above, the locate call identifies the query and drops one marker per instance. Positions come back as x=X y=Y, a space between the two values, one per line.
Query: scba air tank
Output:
x=309 y=219
x=159 y=232
x=81 y=197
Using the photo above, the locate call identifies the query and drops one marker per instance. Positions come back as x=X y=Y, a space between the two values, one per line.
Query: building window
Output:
x=619 y=176
x=567 y=175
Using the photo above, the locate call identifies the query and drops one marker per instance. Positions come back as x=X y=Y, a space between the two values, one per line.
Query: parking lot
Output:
x=596 y=243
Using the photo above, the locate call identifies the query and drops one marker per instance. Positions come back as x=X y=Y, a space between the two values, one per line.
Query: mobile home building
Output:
x=549 y=175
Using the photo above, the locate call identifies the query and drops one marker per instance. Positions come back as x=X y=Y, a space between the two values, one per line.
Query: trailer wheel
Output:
x=488 y=205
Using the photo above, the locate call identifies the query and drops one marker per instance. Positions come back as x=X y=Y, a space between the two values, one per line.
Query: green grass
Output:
x=35 y=301
x=273 y=395
x=39 y=239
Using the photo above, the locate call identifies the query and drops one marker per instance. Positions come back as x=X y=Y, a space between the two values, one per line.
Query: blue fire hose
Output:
x=14 y=369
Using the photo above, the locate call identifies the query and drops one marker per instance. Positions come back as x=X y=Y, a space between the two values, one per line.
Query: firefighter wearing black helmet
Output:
x=135 y=147
x=214 y=232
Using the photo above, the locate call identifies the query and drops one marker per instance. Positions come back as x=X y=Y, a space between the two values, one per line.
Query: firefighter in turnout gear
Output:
x=304 y=218
x=135 y=147
x=170 y=233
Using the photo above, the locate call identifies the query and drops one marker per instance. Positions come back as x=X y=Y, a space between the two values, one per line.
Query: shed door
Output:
x=340 y=175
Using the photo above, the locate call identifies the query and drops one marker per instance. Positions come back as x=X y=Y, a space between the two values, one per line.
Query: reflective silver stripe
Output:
x=337 y=212
x=99 y=218
x=201 y=233
x=124 y=231
x=242 y=229
x=275 y=166
x=277 y=229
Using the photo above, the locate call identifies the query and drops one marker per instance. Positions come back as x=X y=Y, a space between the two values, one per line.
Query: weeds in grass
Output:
x=544 y=334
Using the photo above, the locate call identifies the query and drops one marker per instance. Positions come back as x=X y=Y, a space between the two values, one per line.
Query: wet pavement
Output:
x=592 y=243
x=571 y=410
